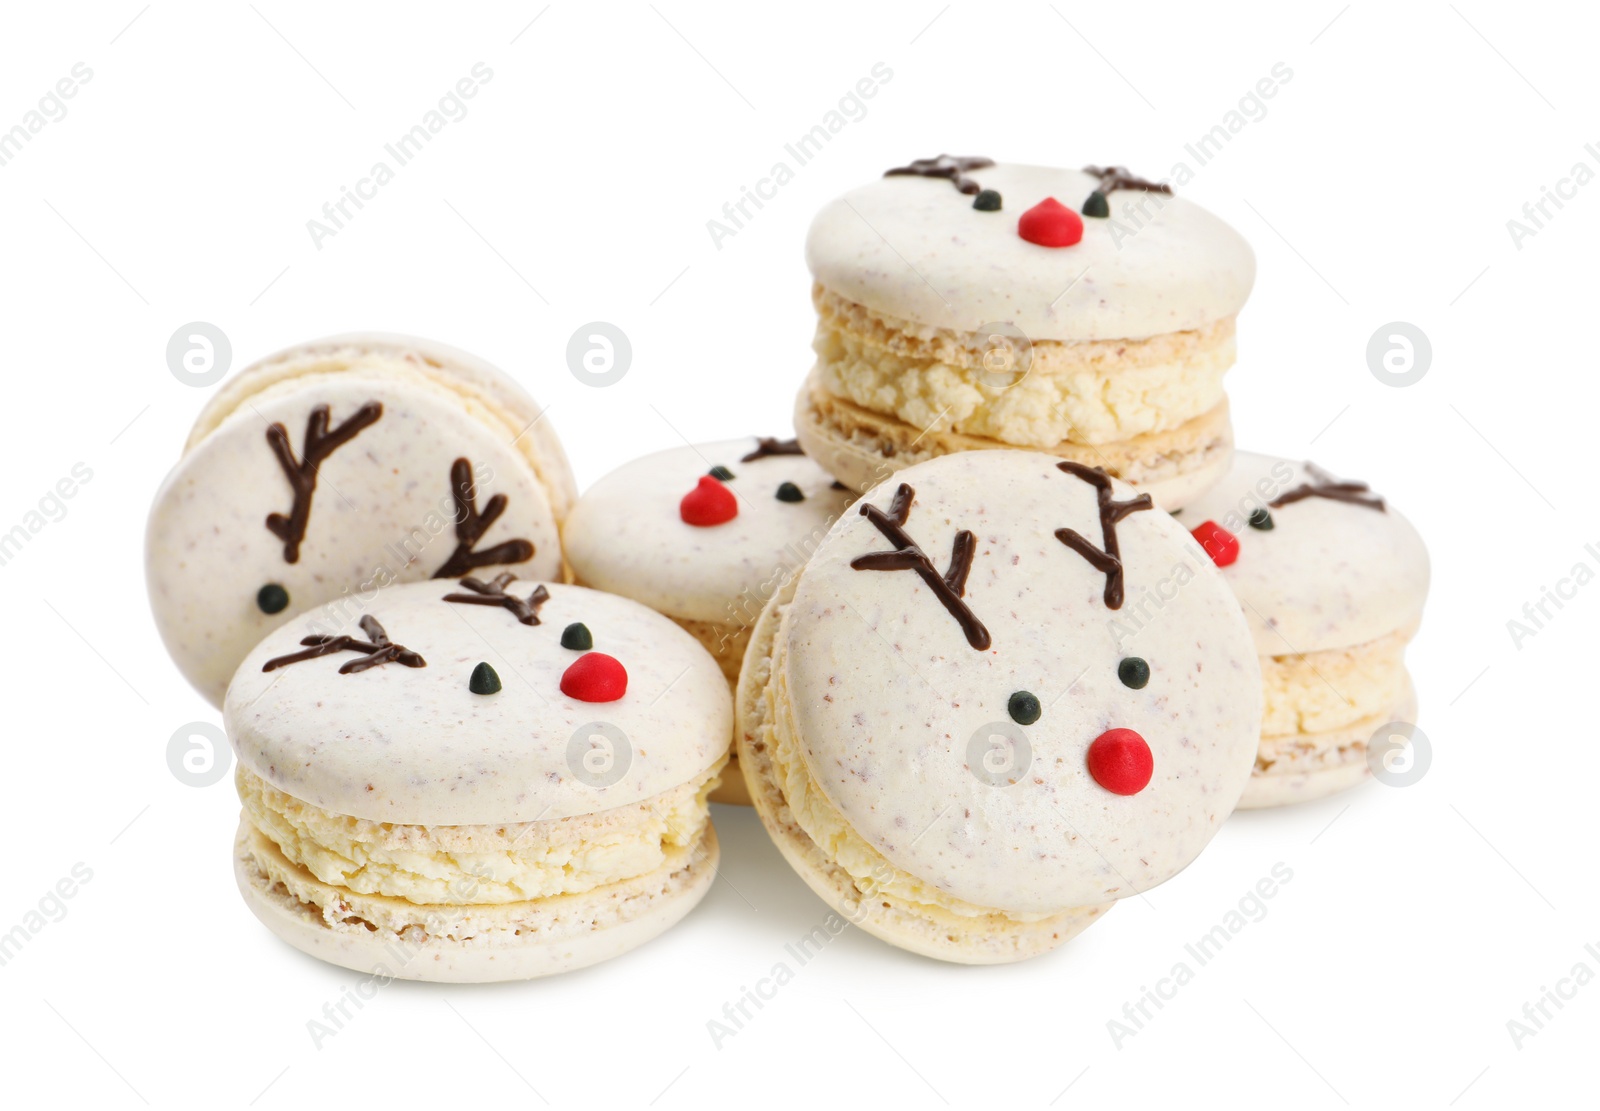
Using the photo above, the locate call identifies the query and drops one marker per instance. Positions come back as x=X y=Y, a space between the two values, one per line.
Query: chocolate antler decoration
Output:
x=302 y=472
x=378 y=648
x=1324 y=485
x=1113 y=178
x=771 y=445
x=1109 y=559
x=949 y=166
x=909 y=556
x=471 y=525
x=494 y=594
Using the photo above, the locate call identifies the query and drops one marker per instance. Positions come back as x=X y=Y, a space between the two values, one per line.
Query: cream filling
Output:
x=482 y=864
x=834 y=837
x=1320 y=691
x=1093 y=392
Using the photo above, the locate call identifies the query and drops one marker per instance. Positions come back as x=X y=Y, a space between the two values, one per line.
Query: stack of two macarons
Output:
x=453 y=764
x=1090 y=314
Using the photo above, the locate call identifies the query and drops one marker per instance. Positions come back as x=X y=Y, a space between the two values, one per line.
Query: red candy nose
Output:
x=709 y=503
x=595 y=677
x=1220 y=544
x=1050 y=224
x=1121 y=762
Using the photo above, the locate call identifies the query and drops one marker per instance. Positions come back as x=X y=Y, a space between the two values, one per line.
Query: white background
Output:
x=1376 y=188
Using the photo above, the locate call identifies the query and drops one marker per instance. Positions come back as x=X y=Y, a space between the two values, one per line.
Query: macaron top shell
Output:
x=416 y=745
x=1329 y=573
x=916 y=249
x=383 y=508
x=926 y=744
x=627 y=535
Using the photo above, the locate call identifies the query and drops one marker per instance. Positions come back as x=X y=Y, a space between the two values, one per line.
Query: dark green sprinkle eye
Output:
x=1262 y=520
x=721 y=473
x=1096 y=205
x=577 y=637
x=272 y=598
x=988 y=200
x=484 y=680
x=1024 y=708
x=1133 y=672
x=790 y=492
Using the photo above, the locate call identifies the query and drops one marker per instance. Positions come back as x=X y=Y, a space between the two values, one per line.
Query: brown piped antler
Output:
x=302 y=472
x=909 y=556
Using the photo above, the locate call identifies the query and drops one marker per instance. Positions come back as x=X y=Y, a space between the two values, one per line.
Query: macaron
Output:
x=1332 y=580
x=964 y=304
x=705 y=534
x=334 y=469
x=441 y=788
x=948 y=737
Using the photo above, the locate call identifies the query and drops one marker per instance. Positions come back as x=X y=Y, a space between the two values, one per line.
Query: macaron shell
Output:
x=382 y=511
x=915 y=248
x=917 y=928
x=463 y=945
x=488 y=393
x=414 y=745
x=891 y=700
x=626 y=535
x=1328 y=574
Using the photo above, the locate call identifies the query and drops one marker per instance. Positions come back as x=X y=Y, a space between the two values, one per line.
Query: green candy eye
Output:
x=721 y=473
x=1133 y=672
x=1262 y=520
x=483 y=680
x=788 y=491
x=577 y=637
x=1024 y=708
x=272 y=598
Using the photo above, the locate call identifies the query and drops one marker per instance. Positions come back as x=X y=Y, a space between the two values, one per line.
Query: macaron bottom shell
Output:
x=1304 y=767
x=387 y=937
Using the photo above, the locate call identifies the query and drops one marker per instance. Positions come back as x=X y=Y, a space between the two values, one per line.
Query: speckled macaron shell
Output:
x=888 y=694
x=417 y=746
x=382 y=510
x=1328 y=574
x=626 y=534
x=916 y=249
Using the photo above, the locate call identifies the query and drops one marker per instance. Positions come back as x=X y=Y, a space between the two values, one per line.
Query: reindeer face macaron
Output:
x=1332 y=580
x=476 y=779
x=334 y=470
x=951 y=736
x=705 y=534
x=964 y=304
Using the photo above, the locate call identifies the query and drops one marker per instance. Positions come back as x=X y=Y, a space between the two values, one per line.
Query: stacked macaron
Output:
x=334 y=469
x=705 y=534
x=946 y=733
x=1331 y=579
x=964 y=304
x=476 y=781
